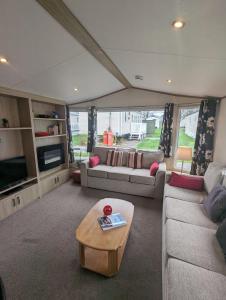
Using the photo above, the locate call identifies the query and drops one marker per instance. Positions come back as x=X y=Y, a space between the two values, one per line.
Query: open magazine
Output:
x=112 y=221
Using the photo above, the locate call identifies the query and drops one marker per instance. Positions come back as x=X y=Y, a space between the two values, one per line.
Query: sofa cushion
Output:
x=194 y=244
x=119 y=173
x=99 y=171
x=221 y=236
x=150 y=156
x=195 y=183
x=125 y=154
x=213 y=176
x=102 y=153
x=189 y=282
x=184 y=194
x=188 y=212
x=94 y=161
x=215 y=203
x=154 y=168
x=142 y=176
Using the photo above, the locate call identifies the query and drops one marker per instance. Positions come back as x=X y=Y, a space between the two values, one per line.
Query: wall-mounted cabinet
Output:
x=20 y=119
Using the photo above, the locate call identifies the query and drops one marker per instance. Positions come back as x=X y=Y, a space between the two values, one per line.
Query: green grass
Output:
x=152 y=143
x=79 y=140
x=184 y=139
x=148 y=143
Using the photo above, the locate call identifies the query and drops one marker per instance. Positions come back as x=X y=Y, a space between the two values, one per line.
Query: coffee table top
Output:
x=90 y=234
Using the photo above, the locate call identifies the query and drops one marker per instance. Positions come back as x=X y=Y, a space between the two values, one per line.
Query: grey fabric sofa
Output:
x=193 y=264
x=124 y=179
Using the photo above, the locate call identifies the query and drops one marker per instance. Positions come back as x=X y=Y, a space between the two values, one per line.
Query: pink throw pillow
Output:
x=154 y=168
x=195 y=183
x=94 y=161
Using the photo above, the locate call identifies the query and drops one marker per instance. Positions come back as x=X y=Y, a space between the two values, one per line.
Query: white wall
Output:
x=136 y=97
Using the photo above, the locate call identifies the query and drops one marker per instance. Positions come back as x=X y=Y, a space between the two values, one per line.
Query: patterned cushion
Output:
x=110 y=155
x=117 y=159
x=131 y=160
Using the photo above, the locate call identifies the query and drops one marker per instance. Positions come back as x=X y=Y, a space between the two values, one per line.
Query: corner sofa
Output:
x=124 y=179
x=193 y=264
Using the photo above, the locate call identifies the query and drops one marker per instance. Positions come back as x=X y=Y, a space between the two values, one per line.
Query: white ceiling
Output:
x=139 y=38
x=44 y=58
x=137 y=35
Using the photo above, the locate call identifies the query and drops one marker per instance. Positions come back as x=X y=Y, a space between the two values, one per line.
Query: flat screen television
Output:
x=12 y=171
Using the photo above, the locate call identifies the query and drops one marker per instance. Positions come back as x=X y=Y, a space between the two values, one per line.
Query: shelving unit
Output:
x=50 y=136
x=15 y=128
x=20 y=109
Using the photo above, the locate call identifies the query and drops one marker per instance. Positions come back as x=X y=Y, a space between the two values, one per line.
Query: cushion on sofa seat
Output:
x=213 y=176
x=119 y=173
x=194 y=244
x=215 y=203
x=189 y=282
x=221 y=236
x=125 y=154
x=102 y=153
x=142 y=176
x=195 y=183
x=99 y=171
x=188 y=212
x=184 y=194
x=150 y=156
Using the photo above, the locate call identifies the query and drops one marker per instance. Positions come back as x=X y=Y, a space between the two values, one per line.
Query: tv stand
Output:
x=23 y=111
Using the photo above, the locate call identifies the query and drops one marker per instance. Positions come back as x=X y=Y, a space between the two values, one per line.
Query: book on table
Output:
x=113 y=221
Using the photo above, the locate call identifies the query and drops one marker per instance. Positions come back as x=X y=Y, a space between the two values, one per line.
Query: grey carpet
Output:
x=39 y=255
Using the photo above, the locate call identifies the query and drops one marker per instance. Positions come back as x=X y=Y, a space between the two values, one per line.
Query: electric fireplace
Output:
x=50 y=156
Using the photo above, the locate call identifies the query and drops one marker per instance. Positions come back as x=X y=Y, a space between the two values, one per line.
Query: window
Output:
x=135 y=129
x=79 y=131
x=188 y=119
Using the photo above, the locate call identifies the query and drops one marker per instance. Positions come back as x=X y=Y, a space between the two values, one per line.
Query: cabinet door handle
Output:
x=13 y=202
x=58 y=179
x=55 y=180
x=18 y=200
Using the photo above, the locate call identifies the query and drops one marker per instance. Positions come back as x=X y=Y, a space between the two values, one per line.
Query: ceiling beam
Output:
x=62 y=14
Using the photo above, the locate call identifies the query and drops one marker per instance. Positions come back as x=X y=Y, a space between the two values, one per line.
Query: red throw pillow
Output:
x=94 y=161
x=154 y=168
x=195 y=183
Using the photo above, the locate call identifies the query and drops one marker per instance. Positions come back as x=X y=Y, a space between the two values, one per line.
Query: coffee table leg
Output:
x=82 y=254
x=112 y=262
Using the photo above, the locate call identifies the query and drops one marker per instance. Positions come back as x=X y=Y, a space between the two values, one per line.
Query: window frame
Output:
x=180 y=107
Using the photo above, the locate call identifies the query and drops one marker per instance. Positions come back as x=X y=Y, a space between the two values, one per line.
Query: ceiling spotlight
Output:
x=169 y=81
x=178 y=24
x=75 y=89
x=3 y=60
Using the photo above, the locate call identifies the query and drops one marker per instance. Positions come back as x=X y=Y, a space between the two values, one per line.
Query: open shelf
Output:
x=45 y=174
x=18 y=185
x=49 y=136
x=15 y=128
x=49 y=119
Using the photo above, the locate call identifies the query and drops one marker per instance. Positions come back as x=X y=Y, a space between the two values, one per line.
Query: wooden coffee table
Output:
x=102 y=251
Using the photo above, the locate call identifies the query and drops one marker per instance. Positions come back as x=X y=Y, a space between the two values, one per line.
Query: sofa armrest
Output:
x=160 y=180
x=84 y=175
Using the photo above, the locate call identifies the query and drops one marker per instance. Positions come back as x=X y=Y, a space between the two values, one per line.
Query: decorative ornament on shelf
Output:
x=107 y=210
x=5 y=123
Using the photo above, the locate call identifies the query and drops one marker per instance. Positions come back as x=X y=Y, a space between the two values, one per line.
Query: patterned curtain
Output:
x=204 y=141
x=92 y=129
x=166 y=132
x=70 y=147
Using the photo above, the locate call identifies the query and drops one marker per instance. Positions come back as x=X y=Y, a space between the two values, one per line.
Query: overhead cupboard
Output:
x=33 y=148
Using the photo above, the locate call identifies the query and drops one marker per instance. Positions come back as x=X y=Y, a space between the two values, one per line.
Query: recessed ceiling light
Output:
x=76 y=89
x=3 y=60
x=169 y=81
x=178 y=24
